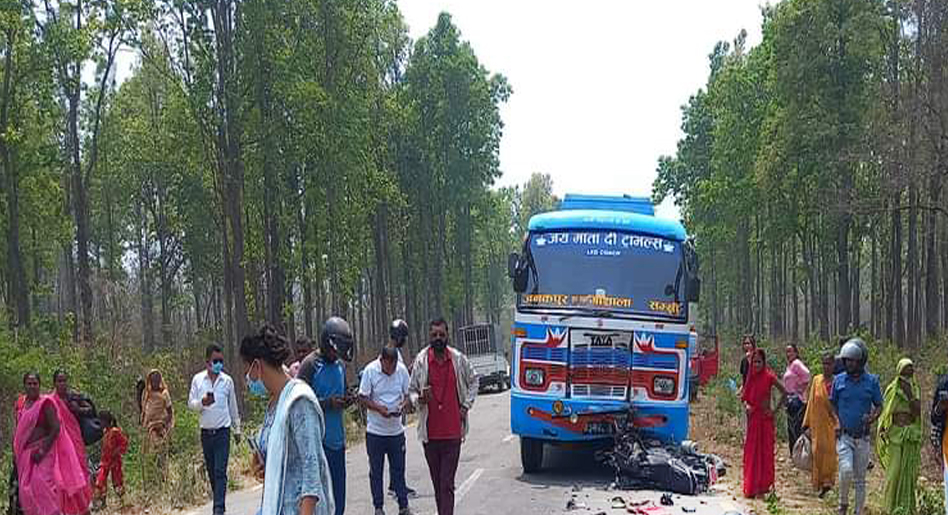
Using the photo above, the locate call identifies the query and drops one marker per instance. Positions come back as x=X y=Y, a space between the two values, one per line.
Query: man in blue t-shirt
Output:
x=857 y=400
x=326 y=374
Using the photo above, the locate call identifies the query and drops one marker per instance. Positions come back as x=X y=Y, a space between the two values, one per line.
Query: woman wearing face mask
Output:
x=290 y=461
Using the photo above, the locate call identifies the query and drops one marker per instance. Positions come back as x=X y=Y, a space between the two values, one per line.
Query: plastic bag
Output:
x=803 y=453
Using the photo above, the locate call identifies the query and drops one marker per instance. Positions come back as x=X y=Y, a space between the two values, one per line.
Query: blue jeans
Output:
x=337 y=471
x=853 y=462
x=378 y=447
x=216 y=445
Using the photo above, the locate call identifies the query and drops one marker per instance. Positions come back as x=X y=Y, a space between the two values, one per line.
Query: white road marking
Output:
x=468 y=483
x=509 y=438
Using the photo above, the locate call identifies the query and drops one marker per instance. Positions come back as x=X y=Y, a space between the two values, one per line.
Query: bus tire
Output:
x=531 y=454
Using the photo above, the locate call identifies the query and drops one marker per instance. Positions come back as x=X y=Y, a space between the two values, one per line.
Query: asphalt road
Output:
x=490 y=480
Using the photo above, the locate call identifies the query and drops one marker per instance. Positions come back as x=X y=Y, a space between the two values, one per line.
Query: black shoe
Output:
x=412 y=494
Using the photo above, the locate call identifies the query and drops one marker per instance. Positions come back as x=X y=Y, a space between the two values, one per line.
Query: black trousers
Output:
x=796 y=409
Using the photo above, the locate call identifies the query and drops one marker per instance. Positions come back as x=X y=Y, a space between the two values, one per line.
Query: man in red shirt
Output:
x=444 y=386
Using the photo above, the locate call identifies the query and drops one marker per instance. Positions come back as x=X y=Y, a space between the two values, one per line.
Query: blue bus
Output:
x=604 y=325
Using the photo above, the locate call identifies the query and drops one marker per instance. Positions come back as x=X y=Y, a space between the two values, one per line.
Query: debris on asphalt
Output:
x=573 y=505
x=618 y=503
x=642 y=463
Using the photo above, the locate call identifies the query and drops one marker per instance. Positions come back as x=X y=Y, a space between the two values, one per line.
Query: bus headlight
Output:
x=663 y=386
x=533 y=376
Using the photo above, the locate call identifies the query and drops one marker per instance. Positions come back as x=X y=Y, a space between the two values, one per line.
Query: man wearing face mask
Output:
x=325 y=372
x=213 y=396
x=443 y=385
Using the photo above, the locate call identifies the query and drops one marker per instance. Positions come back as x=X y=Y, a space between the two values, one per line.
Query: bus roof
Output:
x=608 y=213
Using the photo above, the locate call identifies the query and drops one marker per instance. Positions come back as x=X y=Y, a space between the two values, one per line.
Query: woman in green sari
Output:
x=900 y=440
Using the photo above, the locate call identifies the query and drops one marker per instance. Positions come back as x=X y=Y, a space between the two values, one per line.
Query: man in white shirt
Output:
x=384 y=392
x=397 y=336
x=213 y=396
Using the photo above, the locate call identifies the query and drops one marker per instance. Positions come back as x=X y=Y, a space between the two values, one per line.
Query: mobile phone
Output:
x=211 y=395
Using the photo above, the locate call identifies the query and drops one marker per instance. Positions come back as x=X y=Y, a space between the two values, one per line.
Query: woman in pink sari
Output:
x=69 y=407
x=52 y=480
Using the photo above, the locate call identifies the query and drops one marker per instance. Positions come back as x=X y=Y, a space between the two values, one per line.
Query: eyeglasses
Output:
x=217 y=362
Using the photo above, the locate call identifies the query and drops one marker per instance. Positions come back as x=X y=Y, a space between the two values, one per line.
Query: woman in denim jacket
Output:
x=289 y=459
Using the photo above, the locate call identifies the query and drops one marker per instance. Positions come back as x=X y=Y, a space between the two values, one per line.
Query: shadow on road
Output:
x=569 y=467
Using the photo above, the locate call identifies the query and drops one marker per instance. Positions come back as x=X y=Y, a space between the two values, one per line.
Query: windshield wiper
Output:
x=598 y=313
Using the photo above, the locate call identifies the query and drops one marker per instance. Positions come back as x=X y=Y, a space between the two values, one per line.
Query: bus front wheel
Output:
x=531 y=454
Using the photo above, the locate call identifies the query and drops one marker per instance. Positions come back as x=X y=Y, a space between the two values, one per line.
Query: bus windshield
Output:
x=604 y=272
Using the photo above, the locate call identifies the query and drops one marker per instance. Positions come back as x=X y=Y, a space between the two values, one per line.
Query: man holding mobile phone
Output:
x=213 y=396
x=444 y=386
x=383 y=391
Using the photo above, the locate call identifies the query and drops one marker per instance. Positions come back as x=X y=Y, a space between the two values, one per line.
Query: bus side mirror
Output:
x=693 y=293
x=517 y=273
x=513 y=265
x=693 y=283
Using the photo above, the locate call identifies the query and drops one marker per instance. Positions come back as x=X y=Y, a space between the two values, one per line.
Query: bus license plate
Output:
x=599 y=428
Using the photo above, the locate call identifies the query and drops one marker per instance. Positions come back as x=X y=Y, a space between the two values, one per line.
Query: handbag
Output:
x=803 y=453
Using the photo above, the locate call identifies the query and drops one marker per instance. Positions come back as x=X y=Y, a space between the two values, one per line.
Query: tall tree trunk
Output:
x=380 y=293
x=824 y=303
x=144 y=281
x=795 y=324
x=895 y=291
x=932 y=272
x=856 y=282
x=81 y=215
x=912 y=333
x=745 y=313
x=18 y=293
x=230 y=167
x=874 y=318
x=305 y=273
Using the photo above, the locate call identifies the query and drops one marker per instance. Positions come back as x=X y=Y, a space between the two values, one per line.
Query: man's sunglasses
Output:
x=217 y=361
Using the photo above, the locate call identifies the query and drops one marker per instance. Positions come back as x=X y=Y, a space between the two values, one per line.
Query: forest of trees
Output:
x=267 y=161
x=812 y=168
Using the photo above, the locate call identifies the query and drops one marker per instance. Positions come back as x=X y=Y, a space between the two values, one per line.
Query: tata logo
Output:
x=600 y=340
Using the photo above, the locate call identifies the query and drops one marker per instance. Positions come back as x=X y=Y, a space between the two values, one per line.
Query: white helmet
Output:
x=852 y=350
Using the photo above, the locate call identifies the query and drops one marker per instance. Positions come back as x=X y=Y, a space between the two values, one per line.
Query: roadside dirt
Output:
x=719 y=431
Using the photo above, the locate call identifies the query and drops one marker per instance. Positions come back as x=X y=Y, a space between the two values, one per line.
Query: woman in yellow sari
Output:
x=157 y=412
x=899 y=441
x=819 y=423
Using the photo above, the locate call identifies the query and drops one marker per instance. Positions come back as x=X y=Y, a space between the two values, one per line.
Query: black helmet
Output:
x=337 y=334
x=398 y=331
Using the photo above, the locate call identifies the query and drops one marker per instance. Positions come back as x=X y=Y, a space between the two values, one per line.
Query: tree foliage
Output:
x=264 y=162
x=801 y=159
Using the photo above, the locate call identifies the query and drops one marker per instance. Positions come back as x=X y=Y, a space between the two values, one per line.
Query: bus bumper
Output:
x=590 y=421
